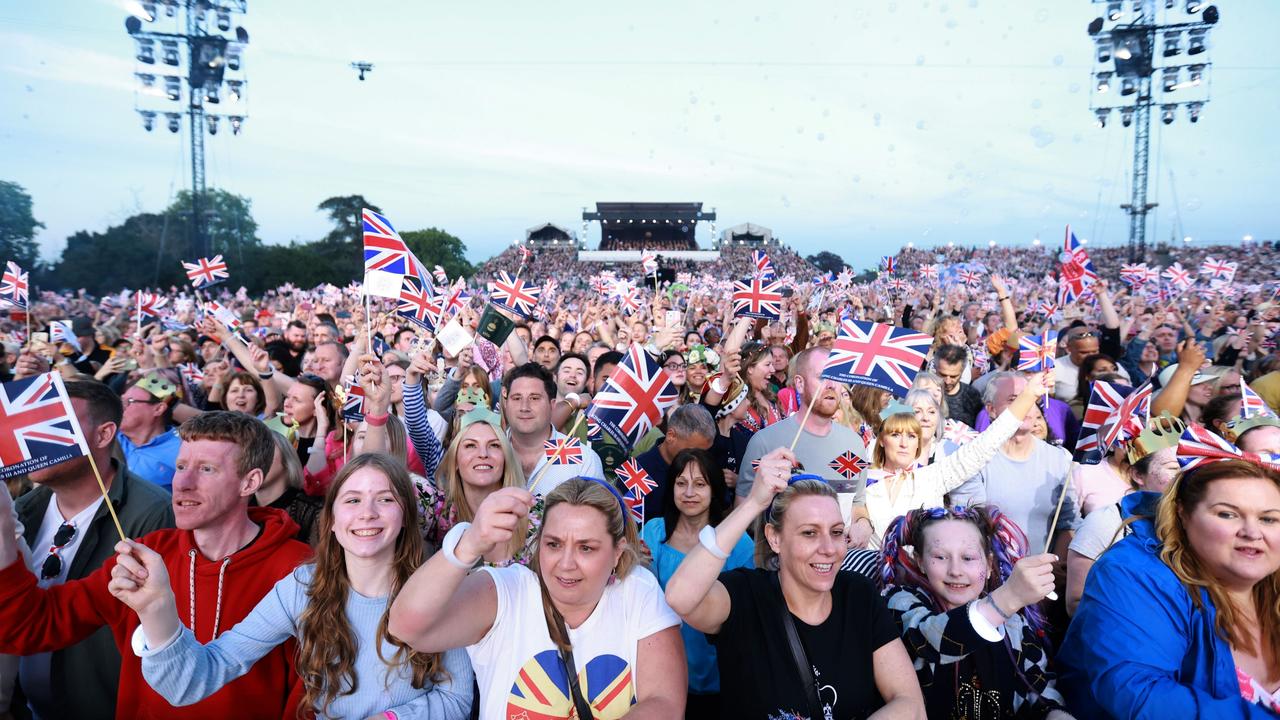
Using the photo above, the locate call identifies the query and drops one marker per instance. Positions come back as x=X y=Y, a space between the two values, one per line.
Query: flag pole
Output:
x=139 y=314
x=809 y=409
x=106 y=500
x=537 y=477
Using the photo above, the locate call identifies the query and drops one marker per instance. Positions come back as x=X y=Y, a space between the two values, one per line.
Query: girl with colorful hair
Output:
x=964 y=593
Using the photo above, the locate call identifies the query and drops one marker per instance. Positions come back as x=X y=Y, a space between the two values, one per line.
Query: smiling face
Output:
x=527 y=406
x=1235 y=530
x=571 y=377
x=207 y=487
x=480 y=457
x=954 y=562
x=576 y=555
x=692 y=492
x=758 y=374
x=367 y=517
x=810 y=544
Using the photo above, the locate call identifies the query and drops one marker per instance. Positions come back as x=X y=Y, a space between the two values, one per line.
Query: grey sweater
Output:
x=184 y=672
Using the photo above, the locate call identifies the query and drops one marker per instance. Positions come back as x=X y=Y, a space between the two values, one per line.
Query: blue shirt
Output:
x=155 y=461
x=704 y=678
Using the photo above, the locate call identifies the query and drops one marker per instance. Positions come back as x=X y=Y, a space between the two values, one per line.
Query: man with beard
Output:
x=65 y=514
x=823 y=444
x=288 y=352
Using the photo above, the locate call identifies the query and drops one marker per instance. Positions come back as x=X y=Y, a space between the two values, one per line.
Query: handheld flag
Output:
x=758 y=299
x=1178 y=276
x=635 y=506
x=1077 y=272
x=38 y=427
x=514 y=294
x=60 y=332
x=206 y=271
x=353 y=402
x=1035 y=352
x=1218 y=269
x=882 y=356
x=417 y=306
x=764 y=266
x=649 y=263
x=888 y=263
x=387 y=259
x=1127 y=421
x=1251 y=404
x=14 y=288
x=928 y=273
x=191 y=373
x=563 y=451
x=1104 y=399
x=635 y=478
x=633 y=398
x=149 y=305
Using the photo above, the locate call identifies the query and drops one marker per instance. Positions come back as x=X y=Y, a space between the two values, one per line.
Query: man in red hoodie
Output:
x=223 y=558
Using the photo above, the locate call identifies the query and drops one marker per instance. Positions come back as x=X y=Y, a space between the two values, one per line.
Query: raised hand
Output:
x=1030 y=582
x=772 y=476
x=496 y=522
x=141 y=581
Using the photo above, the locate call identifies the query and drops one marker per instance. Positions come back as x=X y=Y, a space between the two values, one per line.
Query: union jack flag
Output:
x=957 y=432
x=458 y=297
x=867 y=433
x=888 y=263
x=191 y=373
x=1218 y=269
x=848 y=465
x=60 y=332
x=205 y=271
x=149 y=305
x=417 y=306
x=1076 y=269
x=684 y=278
x=759 y=298
x=764 y=266
x=387 y=259
x=1198 y=446
x=563 y=451
x=224 y=315
x=1126 y=422
x=1104 y=399
x=526 y=254
x=13 y=286
x=633 y=398
x=898 y=285
x=1178 y=277
x=629 y=299
x=38 y=427
x=1035 y=352
x=635 y=507
x=353 y=402
x=649 y=262
x=870 y=353
x=635 y=478
x=380 y=345
x=1251 y=405
x=825 y=279
x=928 y=273
x=1134 y=274
x=514 y=294
x=971 y=278
x=1046 y=308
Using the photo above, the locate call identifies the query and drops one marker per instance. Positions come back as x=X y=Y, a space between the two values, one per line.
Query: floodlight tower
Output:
x=211 y=59
x=1126 y=39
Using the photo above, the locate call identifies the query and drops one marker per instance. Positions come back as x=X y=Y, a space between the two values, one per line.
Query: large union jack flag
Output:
x=1126 y=422
x=1035 y=352
x=1077 y=272
x=1104 y=399
x=633 y=398
x=563 y=451
x=13 y=286
x=206 y=271
x=387 y=259
x=870 y=353
x=514 y=294
x=417 y=306
x=764 y=266
x=758 y=298
x=38 y=427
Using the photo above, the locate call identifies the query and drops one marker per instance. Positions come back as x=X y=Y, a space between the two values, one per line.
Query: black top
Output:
x=759 y=679
x=965 y=405
x=302 y=509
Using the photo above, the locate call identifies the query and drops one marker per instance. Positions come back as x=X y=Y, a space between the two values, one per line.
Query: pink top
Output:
x=1099 y=486
x=1254 y=693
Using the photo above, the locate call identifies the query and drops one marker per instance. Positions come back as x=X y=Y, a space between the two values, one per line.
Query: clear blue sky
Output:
x=854 y=127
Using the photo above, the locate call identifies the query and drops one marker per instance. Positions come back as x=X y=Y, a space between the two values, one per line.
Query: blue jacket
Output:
x=1139 y=648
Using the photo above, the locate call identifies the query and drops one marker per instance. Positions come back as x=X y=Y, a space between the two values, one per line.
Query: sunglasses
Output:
x=52 y=566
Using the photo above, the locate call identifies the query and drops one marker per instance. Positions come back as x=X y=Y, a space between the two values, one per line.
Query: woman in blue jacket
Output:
x=1181 y=619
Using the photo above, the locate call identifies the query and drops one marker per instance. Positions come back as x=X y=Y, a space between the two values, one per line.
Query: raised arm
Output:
x=416 y=426
x=1008 y=315
x=1173 y=397
x=694 y=591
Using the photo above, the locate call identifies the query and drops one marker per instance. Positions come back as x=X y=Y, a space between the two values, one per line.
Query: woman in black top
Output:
x=847 y=661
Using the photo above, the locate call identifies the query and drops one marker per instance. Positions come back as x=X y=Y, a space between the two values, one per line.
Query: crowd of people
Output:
x=328 y=512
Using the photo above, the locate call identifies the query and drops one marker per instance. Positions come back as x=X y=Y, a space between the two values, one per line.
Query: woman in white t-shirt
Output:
x=583 y=602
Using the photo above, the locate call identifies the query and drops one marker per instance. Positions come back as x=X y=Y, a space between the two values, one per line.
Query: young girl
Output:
x=337 y=608
x=964 y=598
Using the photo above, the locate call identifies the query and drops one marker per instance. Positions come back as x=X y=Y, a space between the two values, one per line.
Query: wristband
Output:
x=707 y=538
x=1002 y=299
x=390 y=715
x=720 y=387
x=450 y=543
x=377 y=420
x=992 y=602
x=267 y=376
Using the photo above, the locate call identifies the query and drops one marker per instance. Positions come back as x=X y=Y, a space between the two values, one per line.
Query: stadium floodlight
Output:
x=174 y=120
x=1115 y=11
x=1102 y=114
x=1126 y=116
x=1172 y=43
x=1193 y=111
x=212 y=122
x=1170 y=79
x=169 y=52
x=236 y=122
x=148 y=119
x=146 y=51
x=1104 y=81
x=1195 y=41
x=1167 y=113
x=173 y=87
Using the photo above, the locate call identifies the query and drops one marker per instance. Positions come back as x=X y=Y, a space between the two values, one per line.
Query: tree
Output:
x=144 y=250
x=437 y=247
x=827 y=261
x=229 y=222
x=17 y=226
x=345 y=211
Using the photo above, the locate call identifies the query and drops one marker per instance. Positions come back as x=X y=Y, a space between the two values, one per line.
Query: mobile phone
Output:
x=673 y=318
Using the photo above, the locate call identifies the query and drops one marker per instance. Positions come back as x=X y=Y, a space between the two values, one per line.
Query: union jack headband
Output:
x=1198 y=447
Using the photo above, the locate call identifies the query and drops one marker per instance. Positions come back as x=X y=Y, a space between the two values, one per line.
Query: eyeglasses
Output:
x=1082 y=335
x=673 y=366
x=134 y=401
x=52 y=566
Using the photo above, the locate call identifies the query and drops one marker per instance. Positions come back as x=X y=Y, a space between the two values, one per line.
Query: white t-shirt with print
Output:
x=519 y=671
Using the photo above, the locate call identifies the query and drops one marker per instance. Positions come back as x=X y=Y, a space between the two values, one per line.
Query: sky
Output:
x=850 y=127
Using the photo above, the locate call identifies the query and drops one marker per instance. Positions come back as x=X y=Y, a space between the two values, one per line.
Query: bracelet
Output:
x=707 y=538
x=390 y=715
x=267 y=376
x=1002 y=299
x=377 y=420
x=992 y=602
x=450 y=544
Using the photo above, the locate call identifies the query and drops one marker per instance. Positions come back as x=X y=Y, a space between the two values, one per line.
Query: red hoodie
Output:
x=36 y=620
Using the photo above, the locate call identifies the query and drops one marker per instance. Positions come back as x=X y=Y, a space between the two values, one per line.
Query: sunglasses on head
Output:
x=52 y=566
